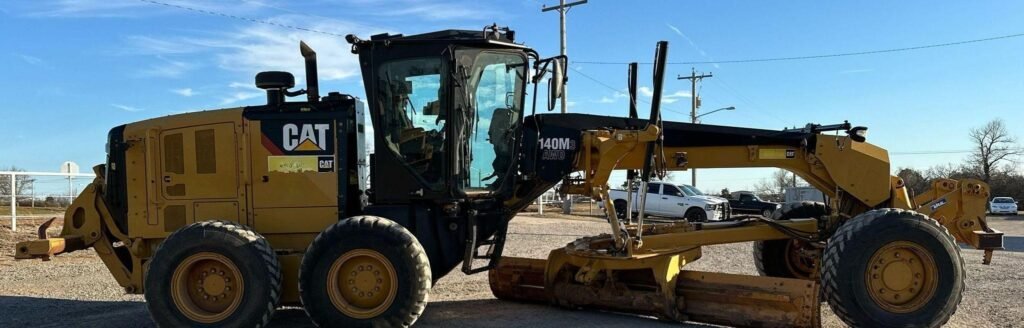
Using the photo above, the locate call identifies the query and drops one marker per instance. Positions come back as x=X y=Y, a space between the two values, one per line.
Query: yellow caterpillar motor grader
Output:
x=220 y=216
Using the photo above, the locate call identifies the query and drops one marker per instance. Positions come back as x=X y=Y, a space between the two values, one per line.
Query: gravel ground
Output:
x=76 y=290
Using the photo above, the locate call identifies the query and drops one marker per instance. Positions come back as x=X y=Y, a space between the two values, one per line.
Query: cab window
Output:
x=672 y=191
x=413 y=119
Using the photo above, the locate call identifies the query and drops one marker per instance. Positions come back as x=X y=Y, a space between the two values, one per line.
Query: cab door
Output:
x=199 y=175
x=672 y=201
x=654 y=201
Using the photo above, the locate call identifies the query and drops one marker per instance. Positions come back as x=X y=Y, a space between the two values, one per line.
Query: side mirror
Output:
x=556 y=84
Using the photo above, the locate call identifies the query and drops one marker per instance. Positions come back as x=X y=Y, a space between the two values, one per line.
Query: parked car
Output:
x=674 y=201
x=803 y=194
x=1002 y=205
x=748 y=202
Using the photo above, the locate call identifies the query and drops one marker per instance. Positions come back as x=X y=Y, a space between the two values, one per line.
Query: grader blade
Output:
x=518 y=279
x=717 y=298
x=748 y=301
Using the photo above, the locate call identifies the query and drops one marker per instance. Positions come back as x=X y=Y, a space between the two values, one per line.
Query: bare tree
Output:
x=993 y=145
x=24 y=184
x=774 y=186
x=914 y=180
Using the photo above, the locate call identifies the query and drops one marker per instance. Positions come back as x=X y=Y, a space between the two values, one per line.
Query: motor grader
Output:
x=221 y=216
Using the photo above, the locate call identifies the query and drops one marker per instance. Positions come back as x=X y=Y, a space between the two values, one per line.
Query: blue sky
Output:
x=75 y=68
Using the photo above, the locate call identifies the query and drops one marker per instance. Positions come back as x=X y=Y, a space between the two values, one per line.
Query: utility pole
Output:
x=694 y=104
x=562 y=9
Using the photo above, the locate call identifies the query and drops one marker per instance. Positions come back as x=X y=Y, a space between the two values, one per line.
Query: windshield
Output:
x=1002 y=200
x=491 y=87
x=691 y=191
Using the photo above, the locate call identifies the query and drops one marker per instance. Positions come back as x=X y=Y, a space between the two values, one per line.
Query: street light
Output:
x=693 y=172
x=717 y=110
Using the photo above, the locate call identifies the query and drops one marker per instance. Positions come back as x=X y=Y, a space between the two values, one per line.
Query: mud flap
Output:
x=710 y=297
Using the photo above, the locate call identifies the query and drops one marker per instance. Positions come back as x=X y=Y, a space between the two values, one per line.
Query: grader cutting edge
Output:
x=220 y=216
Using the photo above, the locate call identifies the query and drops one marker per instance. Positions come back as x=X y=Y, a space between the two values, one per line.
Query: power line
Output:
x=609 y=87
x=241 y=18
x=843 y=54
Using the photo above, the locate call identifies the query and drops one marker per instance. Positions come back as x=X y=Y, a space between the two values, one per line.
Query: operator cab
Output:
x=446 y=107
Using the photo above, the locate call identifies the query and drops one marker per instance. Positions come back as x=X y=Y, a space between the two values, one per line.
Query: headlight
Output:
x=710 y=207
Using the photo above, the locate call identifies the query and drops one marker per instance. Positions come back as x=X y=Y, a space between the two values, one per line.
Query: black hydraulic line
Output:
x=631 y=83
x=661 y=54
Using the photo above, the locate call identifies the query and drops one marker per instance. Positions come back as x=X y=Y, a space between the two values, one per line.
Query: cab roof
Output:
x=453 y=36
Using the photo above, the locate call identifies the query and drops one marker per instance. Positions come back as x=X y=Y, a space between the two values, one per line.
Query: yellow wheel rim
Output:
x=207 y=287
x=901 y=277
x=362 y=283
x=798 y=263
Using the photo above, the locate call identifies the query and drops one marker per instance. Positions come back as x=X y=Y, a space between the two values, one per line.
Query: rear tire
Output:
x=786 y=258
x=620 y=209
x=364 y=271
x=893 y=268
x=241 y=289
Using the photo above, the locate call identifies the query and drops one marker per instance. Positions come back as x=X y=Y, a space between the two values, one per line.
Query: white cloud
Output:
x=239 y=96
x=185 y=92
x=132 y=8
x=258 y=47
x=856 y=71
x=440 y=11
x=167 y=68
x=692 y=44
x=646 y=91
x=606 y=100
x=665 y=98
x=127 y=108
x=675 y=29
x=31 y=60
x=146 y=45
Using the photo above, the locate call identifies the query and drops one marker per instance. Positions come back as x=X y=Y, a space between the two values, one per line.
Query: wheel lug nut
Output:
x=362 y=294
x=360 y=268
x=376 y=273
x=351 y=282
x=379 y=281
x=221 y=273
x=369 y=294
x=206 y=297
x=376 y=289
x=881 y=291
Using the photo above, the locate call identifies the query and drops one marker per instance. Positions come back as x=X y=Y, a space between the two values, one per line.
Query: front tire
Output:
x=364 y=271
x=213 y=274
x=695 y=215
x=893 y=268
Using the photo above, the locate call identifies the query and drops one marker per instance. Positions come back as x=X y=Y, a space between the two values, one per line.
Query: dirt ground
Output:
x=75 y=290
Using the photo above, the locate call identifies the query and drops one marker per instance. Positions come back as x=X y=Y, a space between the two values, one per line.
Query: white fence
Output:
x=51 y=191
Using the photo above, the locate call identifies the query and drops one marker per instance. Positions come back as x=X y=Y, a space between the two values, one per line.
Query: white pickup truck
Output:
x=675 y=201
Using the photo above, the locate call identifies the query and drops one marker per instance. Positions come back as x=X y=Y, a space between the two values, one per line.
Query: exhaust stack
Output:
x=312 y=87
